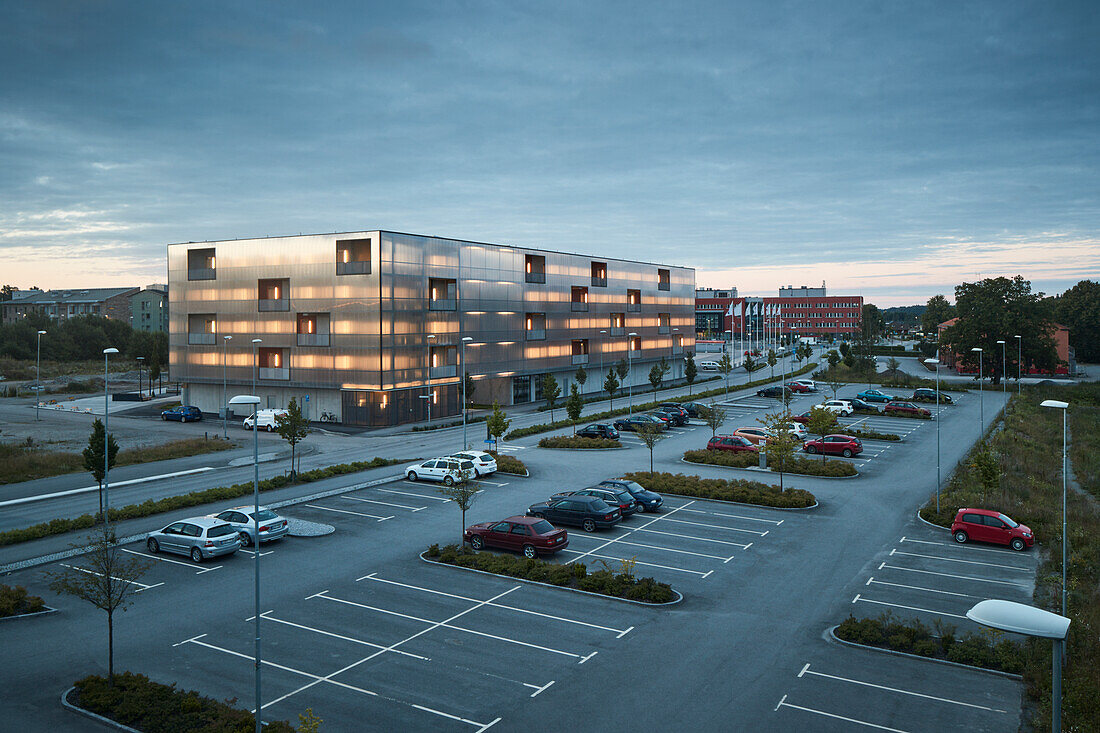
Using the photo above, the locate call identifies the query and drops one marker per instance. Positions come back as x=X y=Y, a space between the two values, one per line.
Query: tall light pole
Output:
x=603 y=342
x=106 y=441
x=937 y=363
x=463 y=375
x=225 y=405
x=38 y=375
x=1004 y=368
x=671 y=350
x=429 y=397
x=255 y=365
x=629 y=364
x=1019 y=360
x=1063 y=407
x=254 y=402
x=139 y=360
x=981 y=405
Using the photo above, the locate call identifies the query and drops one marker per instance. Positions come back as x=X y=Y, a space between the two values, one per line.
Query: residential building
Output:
x=366 y=325
x=62 y=304
x=802 y=311
x=149 y=308
x=1064 y=354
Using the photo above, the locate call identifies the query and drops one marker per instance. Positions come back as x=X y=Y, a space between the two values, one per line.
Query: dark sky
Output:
x=892 y=149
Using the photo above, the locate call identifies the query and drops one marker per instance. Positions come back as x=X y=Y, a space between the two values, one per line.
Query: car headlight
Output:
x=1027 y=534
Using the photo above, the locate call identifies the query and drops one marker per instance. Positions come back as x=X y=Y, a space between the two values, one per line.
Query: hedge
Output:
x=602 y=397
x=620 y=585
x=795 y=464
x=451 y=424
x=14 y=601
x=596 y=417
x=509 y=464
x=913 y=637
x=569 y=441
x=195 y=498
x=894 y=413
x=869 y=434
x=742 y=491
x=151 y=707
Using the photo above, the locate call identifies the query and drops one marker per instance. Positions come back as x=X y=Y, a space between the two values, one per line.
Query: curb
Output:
x=89 y=714
x=621 y=447
x=831 y=631
x=815 y=505
x=764 y=470
x=521 y=475
x=679 y=595
x=936 y=526
x=48 y=611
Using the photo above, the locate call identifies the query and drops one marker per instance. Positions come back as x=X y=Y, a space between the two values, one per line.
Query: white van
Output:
x=708 y=366
x=264 y=419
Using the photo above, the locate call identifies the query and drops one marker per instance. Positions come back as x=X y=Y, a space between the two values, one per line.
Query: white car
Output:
x=808 y=382
x=484 y=463
x=708 y=366
x=264 y=419
x=447 y=470
x=840 y=407
x=797 y=429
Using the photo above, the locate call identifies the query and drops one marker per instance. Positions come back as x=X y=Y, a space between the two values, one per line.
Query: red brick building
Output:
x=805 y=311
x=1064 y=354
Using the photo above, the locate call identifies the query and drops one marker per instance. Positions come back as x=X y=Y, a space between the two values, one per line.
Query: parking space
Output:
x=739 y=406
x=631 y=439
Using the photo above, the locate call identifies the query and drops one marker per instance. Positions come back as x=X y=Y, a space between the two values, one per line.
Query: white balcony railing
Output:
x=580 y=358
x=274 y=372
x=201 y=339
x=442 y=372
x=313 y=339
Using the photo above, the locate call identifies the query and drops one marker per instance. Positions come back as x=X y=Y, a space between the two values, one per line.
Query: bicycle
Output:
x=329 y=417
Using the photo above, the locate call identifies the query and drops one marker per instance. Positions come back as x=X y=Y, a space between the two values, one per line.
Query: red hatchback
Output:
x=834 y=445
x=530 y=535
x=905 y=408
x=984 y=525
x=732 y=443
x=797 y=387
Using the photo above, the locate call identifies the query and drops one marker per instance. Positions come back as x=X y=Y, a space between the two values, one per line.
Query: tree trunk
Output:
x=110 y=649
x=101 y=499
x=293 y=471
x=462 y=535
x=651 y=460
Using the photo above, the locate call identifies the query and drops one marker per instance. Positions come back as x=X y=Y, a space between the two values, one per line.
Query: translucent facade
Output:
x=363 y=324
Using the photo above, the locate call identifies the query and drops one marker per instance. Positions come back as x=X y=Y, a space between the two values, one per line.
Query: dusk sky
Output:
x=892 y=149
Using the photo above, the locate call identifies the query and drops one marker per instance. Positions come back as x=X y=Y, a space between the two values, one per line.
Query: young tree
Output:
x=656 y=376
x=497 y=424
x=93 y=456
x=726 y=366
x=107 y=580
x=551 y=391
x=893 y=366
x=833 y=358
x=611 y=385
x=845 y=349
x=772 y=360
x=690 y=371
x=780 y=447
x=462 y=492
x=650 y=434
x=154 y=371
x=581 y=376
x=622 y=368
x=821 y=423
x=714 y=416
x=293 y=428
x=574 y=406
x=849 y=360
x=835 y=385
x=748 y=363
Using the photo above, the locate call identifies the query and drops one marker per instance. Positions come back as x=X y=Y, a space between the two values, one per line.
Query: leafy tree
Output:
x=611 y=385
x=574 y=406
x=690 y=371
x=551 y=391
x=845 y=349
x=772 y=359
x=748 y=363
x=1078 y=309
x=469 y=385
x=108 y=581
x=623 y=370
x=833 y=357
x=871 y=323
x=726 y=366
x=650 y=434
x=581 y=376
x=780 y=446
x=821 y=422
x=893 y=366
x=462 y=492
x=497 y=423
x=93 y=456
x=835 y=385
x=657 y=375
x=936 y=312
x=849 y=360
x=293 y=428
x=714 y=416
x=154 y=370
x=6 y=292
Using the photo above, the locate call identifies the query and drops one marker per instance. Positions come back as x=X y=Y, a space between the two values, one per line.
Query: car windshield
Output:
x=220 y=531
x=264 y=515
x=1008 y=521
x=542 y=527
x=624 y=496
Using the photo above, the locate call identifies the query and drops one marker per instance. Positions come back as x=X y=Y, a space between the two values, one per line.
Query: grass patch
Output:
x=24 y=368
x=622 y=584
x=743 y=491
x=569 y=441
x=509 y=464
x=14 y=601
x=796 y=465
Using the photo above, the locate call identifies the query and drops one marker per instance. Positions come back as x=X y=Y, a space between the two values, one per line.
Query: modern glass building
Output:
x=372 y=326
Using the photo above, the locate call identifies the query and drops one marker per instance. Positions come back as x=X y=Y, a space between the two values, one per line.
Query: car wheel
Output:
x=448 y=481
x=153 y=545
x=847 y=453
x=476 y=542
x=529 y=552
x=641 y=508
x=1017 y=544
x=539 y=515
x=246 y=539
x=412 y=476
x=589 y=525
x=811 y=449
x=196 y=554
x=961 y=537
x=183 y=418
x=164 y=418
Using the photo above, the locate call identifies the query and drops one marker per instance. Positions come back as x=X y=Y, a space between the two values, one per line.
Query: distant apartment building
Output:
x=802 y=311
x=63 y=304
x=149 y=308
x=371 y=326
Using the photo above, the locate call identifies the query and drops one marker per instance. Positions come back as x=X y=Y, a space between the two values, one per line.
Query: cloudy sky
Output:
x=892 y=149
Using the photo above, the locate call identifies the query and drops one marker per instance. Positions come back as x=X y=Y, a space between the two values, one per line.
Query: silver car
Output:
x=198 y=537
x=447 y=470
x=272 y=526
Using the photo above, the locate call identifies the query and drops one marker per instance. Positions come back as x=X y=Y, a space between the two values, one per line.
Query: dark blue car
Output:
x=648 y=501
x=183 y=413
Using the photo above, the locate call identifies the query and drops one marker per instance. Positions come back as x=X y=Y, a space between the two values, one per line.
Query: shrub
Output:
x=868 y=434
x=897 y=413
x=566 y=441
x=743 y=491
x=509 y=464
x=797 y=465
x=15 y=601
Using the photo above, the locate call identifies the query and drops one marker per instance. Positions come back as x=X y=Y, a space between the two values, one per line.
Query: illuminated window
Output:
x=599 y=274
x=535 y=326
x=273 y=295
x=313 y=329
x=534 y=269
x=353 y=257
x=618 y=324
x=442 y=294
x=202 y=329
x=633 y=300
x=663 y=280
x=579 y=299
x=663 y=321
x=200 y=264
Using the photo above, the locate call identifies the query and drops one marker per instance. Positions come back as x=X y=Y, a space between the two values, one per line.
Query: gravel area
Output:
x=302 y=528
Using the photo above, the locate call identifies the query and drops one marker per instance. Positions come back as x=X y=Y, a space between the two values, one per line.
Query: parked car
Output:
x=264 y=419
x=772 y=392
x=797 y=387
x=530 y=535
x=840 y=407
x=484 y=463
x=924 y=394
x=834 y=445
x=677 y=406
x=272 y=526
x=708 y=366
x=756 y=436
x=589 y=512
x=675 y=415
x=732 y=444
x=648 y=501
x=665 y=420
x=613 y=496
x=197 y=537
x=874 y=395
x=984 y=525
x=807 y=382
x=599 y=430
x=795 y=428
x=859 y=404
x=898 y=407
x=447 y=470
x=183 y=413
x=694 y=409
x=631 y=424
x=805 y=417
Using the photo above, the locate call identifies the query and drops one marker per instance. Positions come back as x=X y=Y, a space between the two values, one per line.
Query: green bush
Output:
x=136 y=701
x=868 y=434
x=509 y=464
x=575 y=575
x=567 y=441
x=796 y=465
x=15 y=601
x=895 y=413
x=739 y=490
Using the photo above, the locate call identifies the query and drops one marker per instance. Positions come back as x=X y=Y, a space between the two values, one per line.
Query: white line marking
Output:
x=692 y=537
x=952 y=575
x=409 y=493
x=101 y=575
x=624 y=632
x=539 y=689
x=1003 y=553
x=910 y=608
x=347 y=511
x=585 y=659
x=267 y=617
x=781 y=701
x=253 y=552
x=488 y=725
x=784 y=704
x=666 y=549
x=717 y=526
x=967 y=562
x=636 y=562
x=707 y=575
x=736 y=516
x=926 y=590
x=899 y=691
x=113 y=485
x=193 y=638
x=173 y=562
x=635 y=529
x=383 y=503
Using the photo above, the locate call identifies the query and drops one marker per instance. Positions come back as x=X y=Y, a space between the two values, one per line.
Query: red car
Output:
x=804 y=418
x=905 y=408
x=984 y=525
x=835 y=445
x=530 y=535
x=797 y=387
x=732 y=443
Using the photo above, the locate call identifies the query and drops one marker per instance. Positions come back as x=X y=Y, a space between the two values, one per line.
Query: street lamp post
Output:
x=603 y=342
x=629 y=364
x=1063 y=406
x=1004 y=368
x=937 y=363
x=981 y=405
x=254 y=403
x=672 y=349
x=463 y=376
x=225 y=405
x=255 y=364
x=38 y=375
x=429 y=397
x=139 y=360
x=1019 y=361
x=106 y=440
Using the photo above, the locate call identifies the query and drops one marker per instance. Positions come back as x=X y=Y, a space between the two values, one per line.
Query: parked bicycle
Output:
x=329 y=417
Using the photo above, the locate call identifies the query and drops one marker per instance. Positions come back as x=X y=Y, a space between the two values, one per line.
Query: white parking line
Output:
x=253 y=552
x=668 y=549
x=776 y=522
x=538 y=689
x=952 y=575
x=494 y=605
x=692 y=537
x=348 y=511
x=383 y=503
x=419 y=496
x=101 y=575
x=718 y=526
x=917 y=587
x=491 y=483
x=807 y=670
x=173 y=562
x=636 y=562
x=968 y=562
x=784 y=704
x=1002 y=553
x=860 y=599
x=636 y=529
x=266 y=616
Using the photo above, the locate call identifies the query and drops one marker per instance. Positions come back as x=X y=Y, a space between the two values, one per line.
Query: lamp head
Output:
x=467 y=338
x=41 y=333
x=1054 y=403
x=257 y=341
x=227 y=338
x=932 y=361
x=244 y=399
x=1001 y=341
x=976 y=348
x=110 y=350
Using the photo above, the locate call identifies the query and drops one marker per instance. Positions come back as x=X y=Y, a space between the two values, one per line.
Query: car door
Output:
x=497 y=535
x=518 y=537
x=975 y=526
x=190 y=536
x=170 y=537
x=996 y=530
x=833 y=445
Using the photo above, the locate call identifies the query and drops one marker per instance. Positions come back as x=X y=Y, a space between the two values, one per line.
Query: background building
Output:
x=61 y=304
x=1064 y=354
x=359 y=324
x=805 y=311
x=149 y=308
